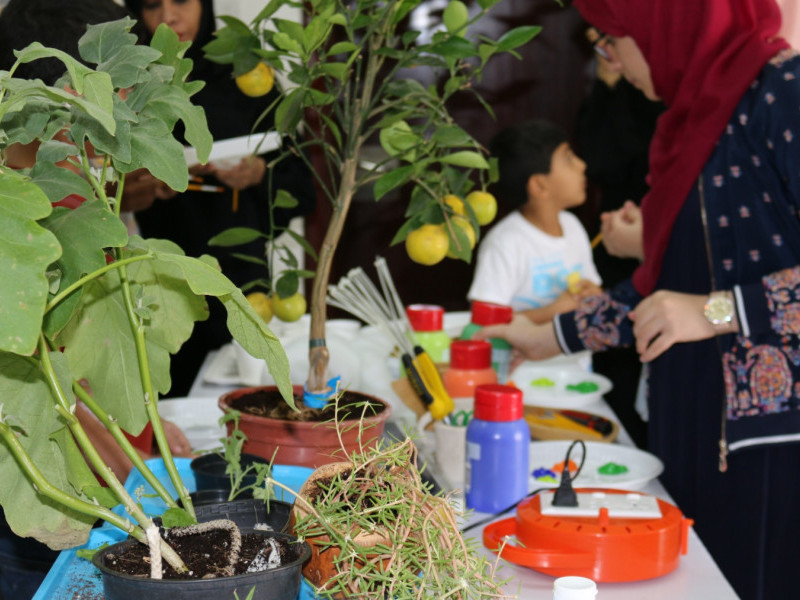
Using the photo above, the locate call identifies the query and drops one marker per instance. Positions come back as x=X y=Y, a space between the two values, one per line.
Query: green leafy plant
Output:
x=86 y=310
x=348 y=64
x=231 y=451
x=385 y=533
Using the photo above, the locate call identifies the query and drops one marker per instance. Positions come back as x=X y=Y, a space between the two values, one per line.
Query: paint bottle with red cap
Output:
x=498 y=441
x=427 y=321
x=489 y=313
x=470 y=366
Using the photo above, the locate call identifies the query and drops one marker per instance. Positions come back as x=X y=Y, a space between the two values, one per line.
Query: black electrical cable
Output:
x=539 y=490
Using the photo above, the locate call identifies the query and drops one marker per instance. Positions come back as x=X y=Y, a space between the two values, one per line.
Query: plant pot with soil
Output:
x=224 y=565
x=309 y=437
x=376 y=531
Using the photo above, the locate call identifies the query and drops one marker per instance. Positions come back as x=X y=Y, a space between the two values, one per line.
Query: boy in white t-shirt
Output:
x=538 y=259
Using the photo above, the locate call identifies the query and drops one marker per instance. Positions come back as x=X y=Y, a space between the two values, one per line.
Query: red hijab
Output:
x=703 y=55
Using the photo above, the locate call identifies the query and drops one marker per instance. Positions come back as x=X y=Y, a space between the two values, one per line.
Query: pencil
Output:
x=596 y=241
x=199 y=187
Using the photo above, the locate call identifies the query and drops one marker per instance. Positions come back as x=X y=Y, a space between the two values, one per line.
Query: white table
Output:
x=696 y=578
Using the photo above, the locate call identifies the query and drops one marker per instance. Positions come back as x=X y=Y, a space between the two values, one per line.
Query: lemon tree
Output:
x=350 y=65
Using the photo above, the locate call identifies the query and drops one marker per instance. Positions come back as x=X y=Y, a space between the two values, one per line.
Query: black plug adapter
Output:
x=564 y=494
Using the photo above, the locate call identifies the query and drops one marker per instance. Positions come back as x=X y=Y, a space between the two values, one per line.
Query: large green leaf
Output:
x=26 y=250
x=84 y=233
x=166 y=41
x=129 y=66
x=28 y=405
x=154 y=149
x=85 y=128
x=172 y=104
x=101 y=42
x=99 y=342
x=58 y=183
x=250 y=330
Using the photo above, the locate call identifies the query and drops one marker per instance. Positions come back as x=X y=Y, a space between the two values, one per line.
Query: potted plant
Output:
x=87 y=310
x=349 y=64
x=376 y=531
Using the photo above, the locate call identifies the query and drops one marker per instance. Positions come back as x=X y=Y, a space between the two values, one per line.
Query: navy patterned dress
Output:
x=725 y=412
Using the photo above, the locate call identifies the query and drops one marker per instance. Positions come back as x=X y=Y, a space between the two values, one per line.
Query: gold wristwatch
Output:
x=719 y=309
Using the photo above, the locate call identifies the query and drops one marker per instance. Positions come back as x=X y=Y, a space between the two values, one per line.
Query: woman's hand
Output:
x=249 y=172
x=622 y=231
x=531 y=341
x=665 y=318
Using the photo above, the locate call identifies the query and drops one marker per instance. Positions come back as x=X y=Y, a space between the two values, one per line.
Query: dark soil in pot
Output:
x=205 y=554
x=269 y=403
x=209 y=471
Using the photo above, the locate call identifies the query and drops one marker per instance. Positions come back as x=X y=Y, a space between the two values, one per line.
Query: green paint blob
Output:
x=543 y=382
x=612 y=468
x=584 y=387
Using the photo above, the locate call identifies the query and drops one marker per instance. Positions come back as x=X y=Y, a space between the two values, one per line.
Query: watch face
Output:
x=719 y=310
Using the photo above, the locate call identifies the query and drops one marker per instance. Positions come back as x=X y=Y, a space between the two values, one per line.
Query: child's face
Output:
x=567 y=179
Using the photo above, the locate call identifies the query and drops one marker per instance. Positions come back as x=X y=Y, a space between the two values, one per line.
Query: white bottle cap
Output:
x=574 y=588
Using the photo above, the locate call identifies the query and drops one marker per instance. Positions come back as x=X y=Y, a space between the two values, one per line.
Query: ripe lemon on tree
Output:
x=466 y=227
x=261 y=304
x=484 y=205
x=289 y=309
x=456 y=203
x=427 y=245
x=258 y=81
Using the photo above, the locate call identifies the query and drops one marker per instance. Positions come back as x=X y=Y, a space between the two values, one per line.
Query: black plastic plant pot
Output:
x=247 y=513
x=209 y=471
x=281 y=583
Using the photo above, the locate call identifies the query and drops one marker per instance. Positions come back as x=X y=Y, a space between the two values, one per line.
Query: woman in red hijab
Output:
x=714 y=308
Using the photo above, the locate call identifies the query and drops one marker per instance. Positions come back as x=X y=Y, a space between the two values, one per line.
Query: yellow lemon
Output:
x=257 y=82
x=466 y=227
x=456 y=203
x=484 y=205
x=289 y=309
x=261 y=304
x=427 y=245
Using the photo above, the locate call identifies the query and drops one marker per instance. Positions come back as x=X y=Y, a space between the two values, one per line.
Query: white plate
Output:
x=197 y=417
x=526 y=376
x=226 y=153
x=642 y=466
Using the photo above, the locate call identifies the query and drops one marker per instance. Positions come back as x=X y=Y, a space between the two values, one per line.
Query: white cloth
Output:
x=521 y=266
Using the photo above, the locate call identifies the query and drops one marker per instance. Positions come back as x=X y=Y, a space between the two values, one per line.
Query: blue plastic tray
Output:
x=72 y=577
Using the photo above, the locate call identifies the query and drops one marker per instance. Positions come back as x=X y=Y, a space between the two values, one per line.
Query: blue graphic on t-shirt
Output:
x=548 y=281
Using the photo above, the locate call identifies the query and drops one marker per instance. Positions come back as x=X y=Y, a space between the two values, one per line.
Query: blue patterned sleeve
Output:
x=773 y=303
x=601 y=322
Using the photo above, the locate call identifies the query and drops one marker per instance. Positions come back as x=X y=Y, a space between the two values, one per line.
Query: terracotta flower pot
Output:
x=306 y=443
x=321 y=567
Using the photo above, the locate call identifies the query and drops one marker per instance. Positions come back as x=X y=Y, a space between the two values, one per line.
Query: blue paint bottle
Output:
x=498 y=440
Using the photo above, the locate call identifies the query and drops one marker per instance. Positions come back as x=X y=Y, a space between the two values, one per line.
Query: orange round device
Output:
x=601 y=547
